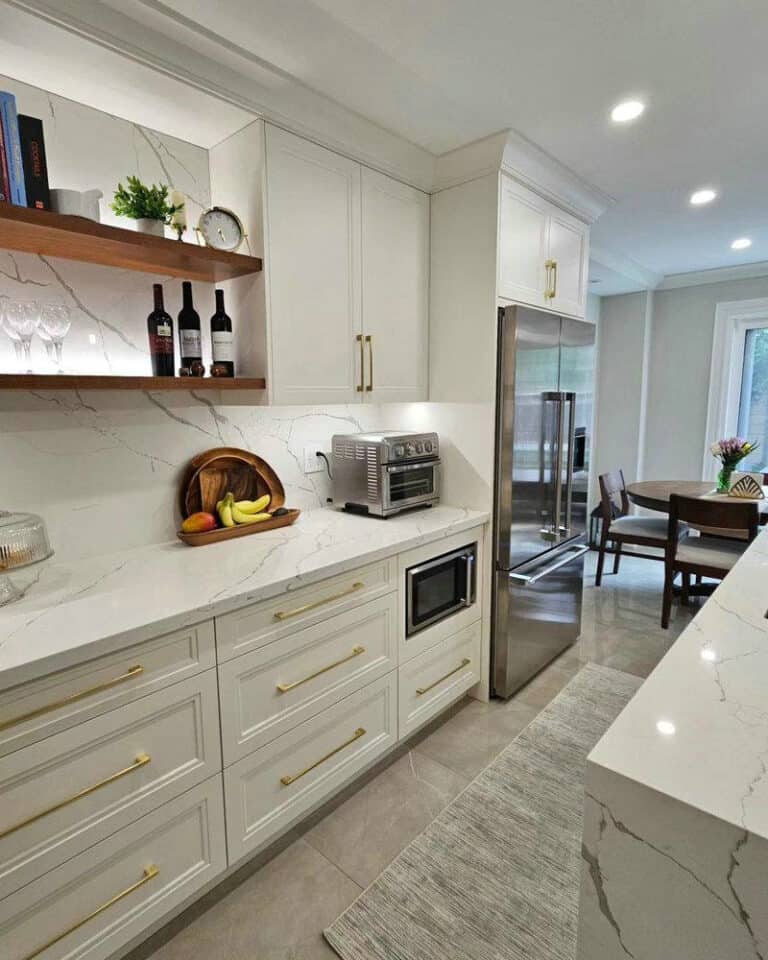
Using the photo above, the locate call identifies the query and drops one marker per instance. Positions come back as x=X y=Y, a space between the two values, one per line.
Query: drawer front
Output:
x=38 y=709
x=65 y=793
x=429 y=683
x=275 y=688
x=92 y=905
x=274 y=786
x=252 y=627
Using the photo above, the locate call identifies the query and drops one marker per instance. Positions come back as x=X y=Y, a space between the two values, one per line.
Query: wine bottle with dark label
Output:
x=221 y=337
x=189 y=328
x=160 y=327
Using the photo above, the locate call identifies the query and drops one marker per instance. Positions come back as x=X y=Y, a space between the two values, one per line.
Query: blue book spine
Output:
x=13 y=148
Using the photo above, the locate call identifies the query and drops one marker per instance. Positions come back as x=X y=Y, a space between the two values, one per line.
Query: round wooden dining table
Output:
x=655 y=494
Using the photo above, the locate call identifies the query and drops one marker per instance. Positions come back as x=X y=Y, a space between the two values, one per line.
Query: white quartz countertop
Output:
x=70 y=613
x=697 y=730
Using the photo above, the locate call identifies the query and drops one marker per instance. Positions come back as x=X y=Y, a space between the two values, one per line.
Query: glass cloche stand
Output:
x=23 y=541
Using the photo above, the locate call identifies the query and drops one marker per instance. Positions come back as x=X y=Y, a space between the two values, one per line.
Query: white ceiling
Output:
x=442 y=73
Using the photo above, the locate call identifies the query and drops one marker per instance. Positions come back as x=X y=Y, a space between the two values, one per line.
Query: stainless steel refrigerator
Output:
x=543 y=426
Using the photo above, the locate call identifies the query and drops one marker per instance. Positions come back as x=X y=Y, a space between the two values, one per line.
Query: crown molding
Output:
x=741 y=271
x=626 y=267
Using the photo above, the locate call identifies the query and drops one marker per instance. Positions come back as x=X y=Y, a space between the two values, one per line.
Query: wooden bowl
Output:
x=222 y=470
x=243 y=530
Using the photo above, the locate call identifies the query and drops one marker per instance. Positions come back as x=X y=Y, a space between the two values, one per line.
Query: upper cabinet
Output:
x=395 y=257
x=347 y=270
x=543 y=252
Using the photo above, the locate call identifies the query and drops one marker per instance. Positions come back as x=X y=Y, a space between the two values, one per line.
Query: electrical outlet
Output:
x=313 y=463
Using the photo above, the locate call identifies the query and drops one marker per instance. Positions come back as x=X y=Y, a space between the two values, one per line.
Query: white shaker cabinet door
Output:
x=522 y=245
x=395 y=251
x=568 y=251
x=313 y=271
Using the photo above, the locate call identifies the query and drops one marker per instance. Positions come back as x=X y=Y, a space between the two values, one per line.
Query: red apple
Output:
x=199 y=523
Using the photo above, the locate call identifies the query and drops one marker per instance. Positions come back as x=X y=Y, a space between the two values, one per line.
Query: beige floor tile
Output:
x=371 y=827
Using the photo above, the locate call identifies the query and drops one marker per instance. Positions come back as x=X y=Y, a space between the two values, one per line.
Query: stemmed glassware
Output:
x=21 y=318
x=55 y=321
x=11 y=334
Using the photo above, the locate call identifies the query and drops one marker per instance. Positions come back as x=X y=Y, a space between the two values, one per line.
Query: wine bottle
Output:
x=160 y=327
x=189 y=328
x=221 y=337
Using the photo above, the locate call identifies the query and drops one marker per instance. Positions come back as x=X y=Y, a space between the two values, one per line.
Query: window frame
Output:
x=732 y=320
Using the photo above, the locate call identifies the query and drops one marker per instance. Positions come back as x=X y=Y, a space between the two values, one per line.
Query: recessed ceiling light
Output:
x=708 y=654
x=741 y=244
x=666 y=727
x=626 y=111
x=700 y=197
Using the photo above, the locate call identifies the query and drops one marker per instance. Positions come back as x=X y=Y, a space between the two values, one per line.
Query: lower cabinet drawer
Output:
x=95 y=903
x=272 y=787
x=440 y=675
x=272 y=689
x=65 y=793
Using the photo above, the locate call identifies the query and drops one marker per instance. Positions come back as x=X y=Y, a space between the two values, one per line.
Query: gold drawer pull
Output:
x=285 y=687
x=129 y=674
x=288 y=779
x=287 y=614
x=464 y=663
x=141 y=760
x=150 y=873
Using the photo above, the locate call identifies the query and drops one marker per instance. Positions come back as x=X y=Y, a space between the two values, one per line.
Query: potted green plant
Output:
x=148 y=206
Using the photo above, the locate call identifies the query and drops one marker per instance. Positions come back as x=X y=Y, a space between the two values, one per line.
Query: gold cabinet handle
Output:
x=291 y=778
x=150 y=873
x=360 y=340
x=369 y=341
x=287 y=614
x=422 y=690
x=554 y=279
x=141 y=760
x=129 y=674
x=285 y=687
x=551 y=267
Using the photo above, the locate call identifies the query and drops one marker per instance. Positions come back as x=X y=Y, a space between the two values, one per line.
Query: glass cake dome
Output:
x=23 y=541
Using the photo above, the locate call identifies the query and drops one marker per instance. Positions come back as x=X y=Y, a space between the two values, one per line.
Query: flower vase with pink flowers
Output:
x=730 y=453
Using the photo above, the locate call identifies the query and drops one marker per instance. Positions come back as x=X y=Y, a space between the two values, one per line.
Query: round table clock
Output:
x=221 y=229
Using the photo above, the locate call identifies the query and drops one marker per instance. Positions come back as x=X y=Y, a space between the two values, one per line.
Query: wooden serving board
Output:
x=241 y=530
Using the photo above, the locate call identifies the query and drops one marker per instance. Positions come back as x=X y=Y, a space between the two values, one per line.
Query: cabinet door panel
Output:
x=395 y=251
x=522 y=245
x=568 y=248
x=313 y=271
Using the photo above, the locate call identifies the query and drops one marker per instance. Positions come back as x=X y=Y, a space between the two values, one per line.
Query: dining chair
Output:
x=705 y=555
x=619 y=528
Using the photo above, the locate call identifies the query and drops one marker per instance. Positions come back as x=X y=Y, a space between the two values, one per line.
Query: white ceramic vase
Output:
x=155 y=228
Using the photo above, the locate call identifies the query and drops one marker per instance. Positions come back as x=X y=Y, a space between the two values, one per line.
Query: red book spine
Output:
x=5 y=182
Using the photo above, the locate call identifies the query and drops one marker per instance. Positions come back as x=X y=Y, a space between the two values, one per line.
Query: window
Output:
x=738 y=388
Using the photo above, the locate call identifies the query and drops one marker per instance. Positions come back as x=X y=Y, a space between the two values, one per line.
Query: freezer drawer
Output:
x=537 y=615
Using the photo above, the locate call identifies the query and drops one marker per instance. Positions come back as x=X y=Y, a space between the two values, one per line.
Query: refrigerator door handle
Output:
x=558 y=469
x=571 y=401
x=571 y=554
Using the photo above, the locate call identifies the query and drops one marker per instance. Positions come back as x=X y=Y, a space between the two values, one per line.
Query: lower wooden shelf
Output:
x=63 y=381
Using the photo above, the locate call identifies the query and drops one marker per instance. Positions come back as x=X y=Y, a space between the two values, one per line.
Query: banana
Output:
x=253 y=506
x=240 y=517
x=224 y=508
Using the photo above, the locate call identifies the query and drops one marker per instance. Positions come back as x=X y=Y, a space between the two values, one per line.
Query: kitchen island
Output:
x=675 y=847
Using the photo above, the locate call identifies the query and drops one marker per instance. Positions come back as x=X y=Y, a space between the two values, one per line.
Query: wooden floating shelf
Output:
x=63 y=381
x=76 y=238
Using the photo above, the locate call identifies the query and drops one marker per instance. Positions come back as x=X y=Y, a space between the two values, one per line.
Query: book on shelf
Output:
x=12 y=143
x=34 y=162
x=5 y=182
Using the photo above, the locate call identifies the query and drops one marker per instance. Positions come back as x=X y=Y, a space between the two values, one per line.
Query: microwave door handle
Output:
x=469 y=564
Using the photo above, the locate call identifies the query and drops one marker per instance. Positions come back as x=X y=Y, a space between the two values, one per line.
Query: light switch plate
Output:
x=313 y=463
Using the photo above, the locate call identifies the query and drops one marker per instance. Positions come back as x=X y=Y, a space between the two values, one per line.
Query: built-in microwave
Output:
x=439 y=588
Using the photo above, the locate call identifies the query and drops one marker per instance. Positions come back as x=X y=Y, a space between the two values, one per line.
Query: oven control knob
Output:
x=428 y=446
x=419 y=447
x=399 y=451
x=409 y=449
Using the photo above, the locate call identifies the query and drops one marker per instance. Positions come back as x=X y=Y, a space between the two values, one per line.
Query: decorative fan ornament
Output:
x=747 y=488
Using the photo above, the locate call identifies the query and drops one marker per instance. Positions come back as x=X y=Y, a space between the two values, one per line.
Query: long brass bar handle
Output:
x=288 y=779
x=287 y=614
x=150 y=873
x=422 y=690
x=554 y=279
x=361 y=341
x=141 y=760
x=285 y=687
x=369 y=341
x=549 y=265
x=130 y=673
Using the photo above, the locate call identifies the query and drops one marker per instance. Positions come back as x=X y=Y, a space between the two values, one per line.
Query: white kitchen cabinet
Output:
x=395 y=262
x=543 y=252
x=313 y=271
x=348 y=275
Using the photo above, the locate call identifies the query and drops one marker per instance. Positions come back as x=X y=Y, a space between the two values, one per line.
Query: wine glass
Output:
x=22 y=317
x=55 y=321
x=11 y=334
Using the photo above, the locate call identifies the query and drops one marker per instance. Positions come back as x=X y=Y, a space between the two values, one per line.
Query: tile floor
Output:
x=276 y=910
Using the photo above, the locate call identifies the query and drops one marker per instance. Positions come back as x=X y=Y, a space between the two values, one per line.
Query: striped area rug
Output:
x=496 y=875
